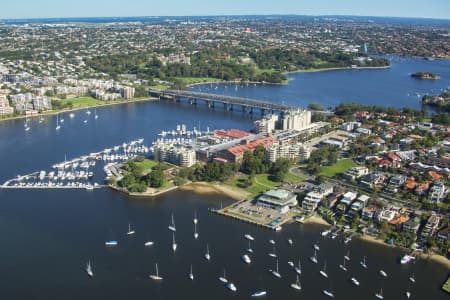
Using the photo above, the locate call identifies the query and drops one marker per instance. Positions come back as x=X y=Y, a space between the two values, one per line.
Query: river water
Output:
x=47 y=236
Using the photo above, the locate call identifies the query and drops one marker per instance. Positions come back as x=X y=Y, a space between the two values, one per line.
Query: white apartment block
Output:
x=296 y=119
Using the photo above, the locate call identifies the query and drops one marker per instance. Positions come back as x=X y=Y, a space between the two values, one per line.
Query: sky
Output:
x=16 y=9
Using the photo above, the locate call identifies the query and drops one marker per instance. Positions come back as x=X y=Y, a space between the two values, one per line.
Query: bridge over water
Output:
x=228 y=102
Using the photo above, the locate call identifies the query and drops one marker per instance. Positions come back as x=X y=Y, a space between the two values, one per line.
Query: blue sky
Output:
x=89 y=8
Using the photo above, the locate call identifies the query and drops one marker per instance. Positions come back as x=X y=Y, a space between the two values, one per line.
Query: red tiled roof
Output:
x=393 y=156
x=241 y=149
x=232 y=133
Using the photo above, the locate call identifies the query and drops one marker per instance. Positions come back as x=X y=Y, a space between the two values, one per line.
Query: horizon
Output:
x=226 y=15
x=49 y=9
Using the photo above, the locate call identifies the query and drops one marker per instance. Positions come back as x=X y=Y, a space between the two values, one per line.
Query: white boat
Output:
x=347 y=256
x=296 y=285
x=71 y=115
x=273 y=253
x=195 y=231
x=291 y=264
x=412 y=279
x=224 y=277
x=323 y=272
x=249 y=237
x=272 y=242
x=355 y=281
x=246 y=259
x=89 y=269
x=195 y=217
x=290 y=242
x=328 y=293
x=383 y=273
x=275 y=272
x=149 y=243
x=85 y=121
x=88 y=112
x=111 y=243
x=363 y=263
x=172 y=225
x=231 y=287
x=130 y=232
x=249 y=249
x=408 y=294
x=379 y=295
x=300 y=220
x=259 y=294
x=343 y=267
x=207 y=255
x=174 y=244
x=298 y=269
x=156 y=276
x=314 y=257
x=95 y=114
x=325 y=232
x=191 y=274
x=58 y=127
x=316 y=246
x=407 y=259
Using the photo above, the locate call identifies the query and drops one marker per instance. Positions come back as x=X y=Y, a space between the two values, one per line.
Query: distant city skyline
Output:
x=18 y=9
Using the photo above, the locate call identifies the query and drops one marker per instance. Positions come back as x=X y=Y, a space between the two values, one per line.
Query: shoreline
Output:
x=52 y=112
x=336 y=69
x=315 y=219
x=429 y=257
x=214 y=188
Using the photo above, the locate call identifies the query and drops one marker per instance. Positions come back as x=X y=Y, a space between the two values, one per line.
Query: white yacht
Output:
x=89 y=269
x=407 y=259
x=290 y=242
x=71 y=115
x=195 y=231
x=224 y=277
x=408 y=294
x=249 y=237
x=258 y=294
x=195 y=217
x=156 y=276
x=316 y=246
x=191 y=274
x=273 y=253
x=95 y=114
x=379 y=295
x=298 y=269
x=275 y=272
x=130 y=232
x=343 y=267
x=347 y=256
x=354 y=281
x=314 y=257
x=326 y=232
x=246 y=259
x=111 y=243
x=231 y=287
x=363 y=263
x=296 y=285
x=207 y=255
x=58 y=127
x=323 y=272
x=412 y=279
x=172 y=225
x=328 y=293
x=272 y=242
x=383 y=273
x=249 y=249
x=174 y=244
x=149 y=243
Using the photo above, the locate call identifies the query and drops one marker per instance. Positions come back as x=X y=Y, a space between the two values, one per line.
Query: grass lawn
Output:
x=144 y=166
x=192 y=80
x=261 y=184
x=82 y=102
x=159 y=87
x=446 y=286
x=291 y=178
x=340 y=167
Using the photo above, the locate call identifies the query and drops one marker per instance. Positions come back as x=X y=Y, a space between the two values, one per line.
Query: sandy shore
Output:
x=316 y=220
x=431 y=257
x=336 y=69
x=215 y=188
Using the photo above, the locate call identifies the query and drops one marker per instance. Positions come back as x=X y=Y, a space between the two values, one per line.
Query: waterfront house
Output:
x=411 y=226
x=430 y=227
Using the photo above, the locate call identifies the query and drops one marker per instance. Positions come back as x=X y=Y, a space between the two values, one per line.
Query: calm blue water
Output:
x=386 y=87
x=47 y=236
